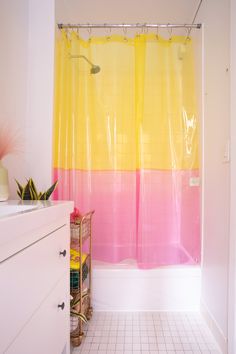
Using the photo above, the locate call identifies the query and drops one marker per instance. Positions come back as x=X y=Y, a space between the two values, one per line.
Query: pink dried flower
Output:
x=9 y=141
x=75 y=215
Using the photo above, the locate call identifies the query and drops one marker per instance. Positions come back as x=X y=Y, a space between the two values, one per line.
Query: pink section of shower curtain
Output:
x=151 y=216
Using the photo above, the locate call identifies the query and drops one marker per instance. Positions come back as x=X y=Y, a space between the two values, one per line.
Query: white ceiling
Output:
x=127 y=11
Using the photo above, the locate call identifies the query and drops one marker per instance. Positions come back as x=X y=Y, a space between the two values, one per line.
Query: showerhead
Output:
x=95 y=69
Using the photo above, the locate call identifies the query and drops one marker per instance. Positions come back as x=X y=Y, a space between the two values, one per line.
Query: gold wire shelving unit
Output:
x=81 y=231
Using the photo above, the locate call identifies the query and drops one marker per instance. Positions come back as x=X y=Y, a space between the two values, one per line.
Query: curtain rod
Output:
x=129 y=25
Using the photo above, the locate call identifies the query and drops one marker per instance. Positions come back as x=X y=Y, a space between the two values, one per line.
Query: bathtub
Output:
x=124 y=287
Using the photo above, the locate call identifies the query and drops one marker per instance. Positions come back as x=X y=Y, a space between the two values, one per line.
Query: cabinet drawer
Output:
x=48 y=330
x=28 y=278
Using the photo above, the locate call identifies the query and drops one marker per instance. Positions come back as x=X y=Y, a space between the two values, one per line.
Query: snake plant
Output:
x=29 y=191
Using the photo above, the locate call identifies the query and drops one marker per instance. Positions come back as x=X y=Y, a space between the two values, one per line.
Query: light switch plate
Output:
x=226 y=157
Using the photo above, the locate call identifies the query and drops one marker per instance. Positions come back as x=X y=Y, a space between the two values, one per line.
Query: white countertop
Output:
x=11 y=207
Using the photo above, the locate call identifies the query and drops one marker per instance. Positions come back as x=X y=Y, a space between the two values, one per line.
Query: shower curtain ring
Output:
x=170 y=32
x=68 y=33
x=145 y=28
x=125 y=32
x=89 y=29
x=187 y=34
x=138 y=29
x=108 y=31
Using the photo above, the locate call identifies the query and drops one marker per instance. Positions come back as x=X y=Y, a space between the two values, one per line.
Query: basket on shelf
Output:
x=75 y=276
x=75 y=231
x=76 y=261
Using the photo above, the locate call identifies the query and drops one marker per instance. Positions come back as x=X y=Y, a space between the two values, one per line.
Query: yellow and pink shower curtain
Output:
x=126 y=145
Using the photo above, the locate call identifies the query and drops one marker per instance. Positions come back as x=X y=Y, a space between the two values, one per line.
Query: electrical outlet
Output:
x=194 y=181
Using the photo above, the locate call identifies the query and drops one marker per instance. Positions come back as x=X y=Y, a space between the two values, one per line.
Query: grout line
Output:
x=147 y=333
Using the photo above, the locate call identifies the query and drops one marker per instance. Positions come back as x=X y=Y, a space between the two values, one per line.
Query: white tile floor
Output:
x=147 y=333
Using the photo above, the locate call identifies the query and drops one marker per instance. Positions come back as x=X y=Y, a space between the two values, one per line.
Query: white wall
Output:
x=40 y=90
x=216 y=129
x=26 y=85
x=232 y=270
x=127 y=11
x=14 y=77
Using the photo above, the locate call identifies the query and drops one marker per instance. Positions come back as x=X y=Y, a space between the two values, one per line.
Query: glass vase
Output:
x=4 y=186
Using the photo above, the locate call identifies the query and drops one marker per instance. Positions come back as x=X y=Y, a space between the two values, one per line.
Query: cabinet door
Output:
x=26 y=280
x=48 y=330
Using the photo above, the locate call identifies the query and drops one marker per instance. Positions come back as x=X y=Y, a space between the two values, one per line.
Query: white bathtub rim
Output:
x=130 y=270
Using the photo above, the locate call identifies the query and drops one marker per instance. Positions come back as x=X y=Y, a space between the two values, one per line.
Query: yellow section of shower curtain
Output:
x=139 y=111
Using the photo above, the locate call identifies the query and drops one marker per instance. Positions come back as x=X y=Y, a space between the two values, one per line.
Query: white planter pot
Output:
x=74 y=322
x=4 y=186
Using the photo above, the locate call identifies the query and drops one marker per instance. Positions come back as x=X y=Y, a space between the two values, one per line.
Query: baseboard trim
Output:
x=214 y=328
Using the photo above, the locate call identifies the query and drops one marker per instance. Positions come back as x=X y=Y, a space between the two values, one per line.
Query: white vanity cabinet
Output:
x=34 y=281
